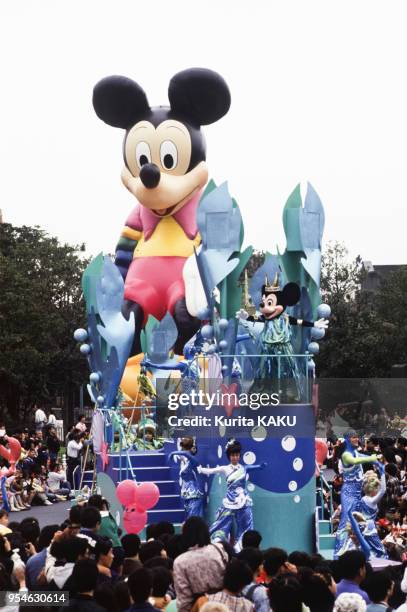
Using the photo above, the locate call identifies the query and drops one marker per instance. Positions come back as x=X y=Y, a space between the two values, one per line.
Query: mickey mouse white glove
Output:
x=321 y=323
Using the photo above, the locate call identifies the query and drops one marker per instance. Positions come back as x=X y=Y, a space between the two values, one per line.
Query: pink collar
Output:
x=185 y=217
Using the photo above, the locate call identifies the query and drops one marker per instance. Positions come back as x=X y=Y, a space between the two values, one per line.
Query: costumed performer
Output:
x=192 y=490
x=351 y=492
x=237 y=504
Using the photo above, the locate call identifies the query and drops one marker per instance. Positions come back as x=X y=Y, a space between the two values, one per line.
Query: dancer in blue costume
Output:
x=192 y=490
x=373 y=489
x=351 y=491
x=237 y=504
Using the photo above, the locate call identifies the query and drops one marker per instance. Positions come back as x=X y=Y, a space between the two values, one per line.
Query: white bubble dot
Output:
x=259 y=433
x=220 y=480
x=292 y=485
x=298 y=464
x=219 y=451
x=288 y=443
x=250 y=486
x=180 y=482
x=249 y=458
x=297 y=499
x=206 y=487
x=222 y=430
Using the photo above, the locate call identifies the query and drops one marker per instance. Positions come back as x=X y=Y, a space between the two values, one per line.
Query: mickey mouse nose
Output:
x=150 y=175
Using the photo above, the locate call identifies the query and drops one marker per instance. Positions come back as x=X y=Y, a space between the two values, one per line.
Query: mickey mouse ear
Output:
x=119 y=101
x=291 y=294
x=200 y=95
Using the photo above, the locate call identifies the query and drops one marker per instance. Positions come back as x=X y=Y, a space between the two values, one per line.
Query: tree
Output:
x=40 y=307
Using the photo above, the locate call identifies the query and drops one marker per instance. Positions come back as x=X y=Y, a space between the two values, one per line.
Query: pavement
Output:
x=46 y=515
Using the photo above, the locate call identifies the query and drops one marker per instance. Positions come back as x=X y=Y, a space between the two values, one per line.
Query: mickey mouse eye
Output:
x=143 y=154
x=168 y=155
x=269 y=303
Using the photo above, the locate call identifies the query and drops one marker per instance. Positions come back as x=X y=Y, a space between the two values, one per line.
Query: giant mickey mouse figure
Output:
x=165 y=169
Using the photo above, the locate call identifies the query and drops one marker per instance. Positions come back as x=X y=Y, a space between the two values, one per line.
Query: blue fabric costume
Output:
x=236 y=505
x=192 y=490
x=368 y=508
x=351 y=492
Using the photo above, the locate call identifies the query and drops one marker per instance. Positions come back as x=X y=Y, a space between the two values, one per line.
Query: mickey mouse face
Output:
x=274 y=303
x=164 y=149
x=269 y=307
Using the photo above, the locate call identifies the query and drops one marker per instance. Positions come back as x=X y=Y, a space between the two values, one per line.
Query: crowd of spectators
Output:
x=44 y=474
x=100 y=570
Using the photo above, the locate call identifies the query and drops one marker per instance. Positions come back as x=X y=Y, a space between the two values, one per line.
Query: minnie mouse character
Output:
x=275 y=338
x=164 y=168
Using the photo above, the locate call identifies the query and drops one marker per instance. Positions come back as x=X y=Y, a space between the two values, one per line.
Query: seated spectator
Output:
x=201 y=569
x=148 y=550
x=350 y=602
x=300 y=559
x=379 y=587
x=285 y=594
x=30 y=530
x=174 y=546
x=251 y=539
x=254 y=592
x=352 y=568
x=56 y=481
x=163 y=528
x=317 y=593
x=140 y=585
x=84 y=580
x=237 y=576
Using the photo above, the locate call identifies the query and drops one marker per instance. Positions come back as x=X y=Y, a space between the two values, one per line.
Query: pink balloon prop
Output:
x=147 y=495
x=15 y=449
x=126 y=492
x=321 y=451
x=134 y=520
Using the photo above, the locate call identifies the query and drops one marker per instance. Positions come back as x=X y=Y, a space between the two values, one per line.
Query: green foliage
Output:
x=40 y=307
x=367 y=332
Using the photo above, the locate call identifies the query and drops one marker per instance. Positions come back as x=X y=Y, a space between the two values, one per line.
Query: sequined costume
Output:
x=192 y=490
x=236 y=505
x=351 y=493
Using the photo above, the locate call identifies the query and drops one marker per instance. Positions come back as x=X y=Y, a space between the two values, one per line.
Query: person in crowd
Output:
x=276 y=563
x=63 y=554
x=140 y=585
x=352 y=568
x=286 y=594
x=4 y=522
x=201 y=568
x=104 y=558
x=57 y=482
x=108 y=526
x=148 y=550
x=40 y=419
x=255 y=592
x=350 y=602
x=379 y=587
x=52 y=419
x=73 y=451
x=84 y=580
x=131 y=546
x=90 y=524
x=251 y=539
x=162 y=580
x=237 y=576
x=81 y=425
x=53 y=444
x=36 y=563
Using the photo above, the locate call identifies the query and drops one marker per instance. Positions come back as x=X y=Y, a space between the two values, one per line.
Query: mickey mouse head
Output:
x=164 y=149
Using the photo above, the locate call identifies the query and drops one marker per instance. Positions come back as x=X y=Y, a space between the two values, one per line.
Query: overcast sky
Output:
x=318 y=93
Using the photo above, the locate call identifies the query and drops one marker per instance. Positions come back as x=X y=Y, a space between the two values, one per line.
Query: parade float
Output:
x=200 y=373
